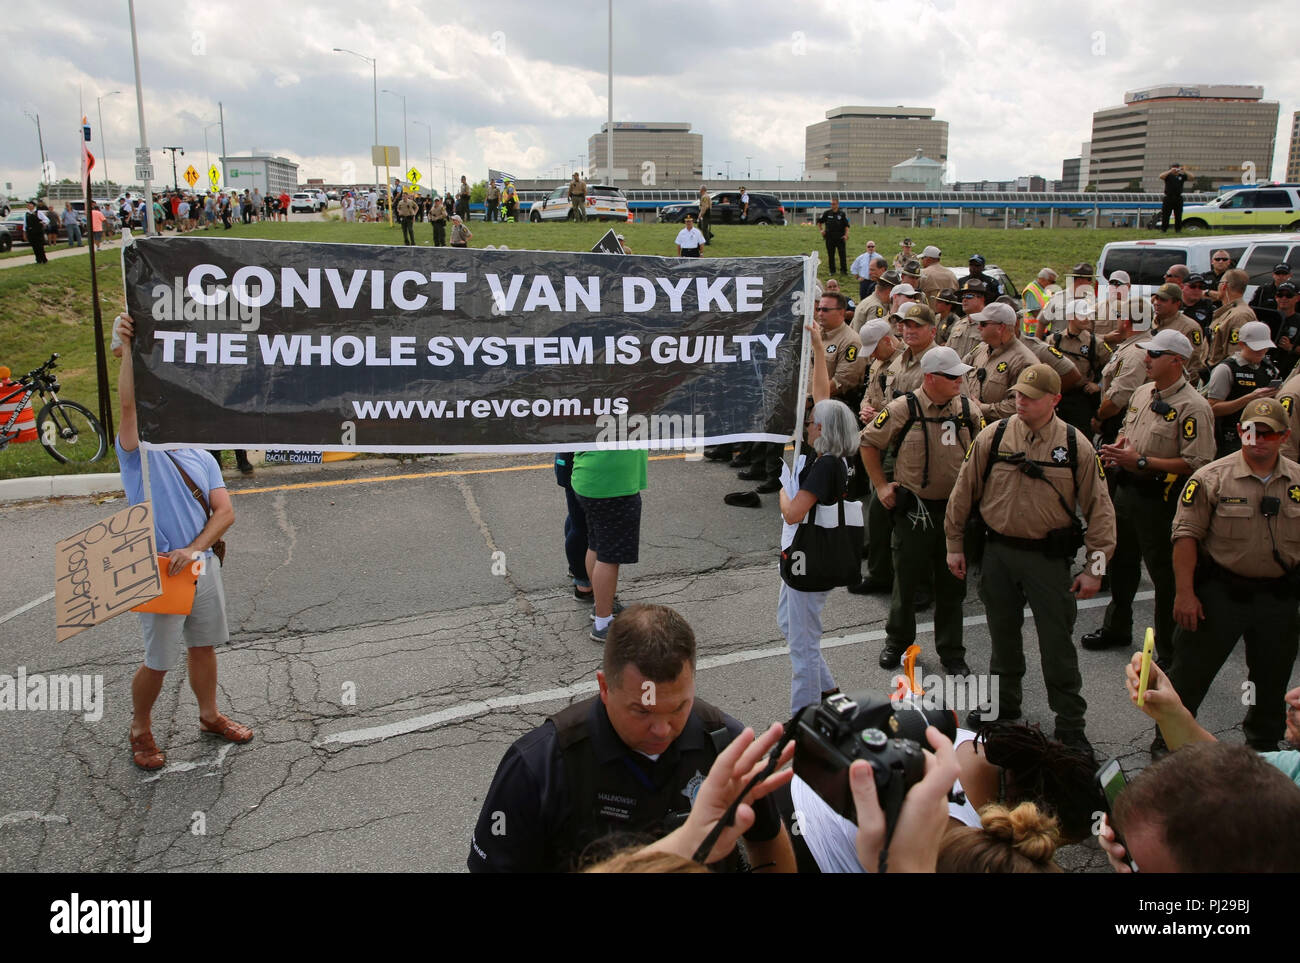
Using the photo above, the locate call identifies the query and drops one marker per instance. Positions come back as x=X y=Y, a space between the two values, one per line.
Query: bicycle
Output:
x=67 y=430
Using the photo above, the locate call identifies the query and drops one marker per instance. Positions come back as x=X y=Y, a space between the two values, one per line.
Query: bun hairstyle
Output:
x=1019 y=840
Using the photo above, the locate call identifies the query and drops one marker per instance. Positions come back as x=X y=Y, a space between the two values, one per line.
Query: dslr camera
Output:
x=829 y=736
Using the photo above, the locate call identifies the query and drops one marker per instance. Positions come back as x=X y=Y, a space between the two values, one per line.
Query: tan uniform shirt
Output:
x=1288 y=396
x=964 y=337
x=705 y=203
x=1219 y=508
x=877 y=379
x=1052 y=318
x=1014 y=504
x=1078 y=349
x=1125 y=370
x=1050 y=356
x=845 y=362
x=1108 y=313
x=934 y=278
x=1186 y=326
x=905 y=372
x=947 y=438
x=1224 y=328
x=870 y=309
x=1002 y=366
x=1185 y=431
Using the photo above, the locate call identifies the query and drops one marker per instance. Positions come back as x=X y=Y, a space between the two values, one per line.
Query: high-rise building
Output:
x=861 y=145
x=1293 y=156
x=647 y=154
x=1071 y=168
x=1223 y=132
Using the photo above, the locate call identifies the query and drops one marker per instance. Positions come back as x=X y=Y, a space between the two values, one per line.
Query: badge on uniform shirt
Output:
x=831 y=348
x=692 y=788
x=1059 y=455
x=852 y=353
x=1172 y=415
x=1189 y=427
x=1002 y=366
x=1294 y=493
x=1083 y=350
x=1189 y=491
x=881 y=418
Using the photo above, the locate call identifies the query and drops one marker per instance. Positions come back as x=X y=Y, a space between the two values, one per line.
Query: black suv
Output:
x=763 y=209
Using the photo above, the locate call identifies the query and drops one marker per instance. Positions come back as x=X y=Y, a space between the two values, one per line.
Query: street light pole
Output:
x=374 y=80
x=176 y=186
x=405 y=146
x=103 y=151
x=35 y=118
x=609 y=135
x=206 y=159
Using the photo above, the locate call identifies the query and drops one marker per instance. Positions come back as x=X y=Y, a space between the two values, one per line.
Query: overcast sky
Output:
x=520 y=86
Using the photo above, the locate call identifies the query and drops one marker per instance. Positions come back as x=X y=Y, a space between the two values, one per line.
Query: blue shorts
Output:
x=614 y=528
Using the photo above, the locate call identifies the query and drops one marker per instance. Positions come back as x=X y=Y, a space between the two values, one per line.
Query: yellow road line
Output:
x=388 y=478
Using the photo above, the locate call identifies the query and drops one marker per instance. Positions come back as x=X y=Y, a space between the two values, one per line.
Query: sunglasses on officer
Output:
x=948 y=377
x=1155 y=355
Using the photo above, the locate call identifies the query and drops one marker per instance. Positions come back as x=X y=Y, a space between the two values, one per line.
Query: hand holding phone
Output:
x=1110 y=778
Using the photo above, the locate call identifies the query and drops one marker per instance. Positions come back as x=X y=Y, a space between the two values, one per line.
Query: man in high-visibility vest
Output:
x=1035 y=298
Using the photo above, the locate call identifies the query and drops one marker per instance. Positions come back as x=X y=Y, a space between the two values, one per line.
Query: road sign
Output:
x=191 y=175
x=384 y=156
x=142 y=156
x=214 y=176
x=413 y=175
x=143 y=173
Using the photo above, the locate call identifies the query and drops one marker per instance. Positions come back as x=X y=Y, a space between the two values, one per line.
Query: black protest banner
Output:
x=337 y=347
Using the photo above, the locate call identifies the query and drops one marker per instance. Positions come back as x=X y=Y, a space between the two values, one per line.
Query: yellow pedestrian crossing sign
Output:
x=214 y=176
x=191 y=175
x=413 y=175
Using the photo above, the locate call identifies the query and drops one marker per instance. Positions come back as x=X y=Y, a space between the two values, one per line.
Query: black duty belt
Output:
x=1282 y=585
x=1030 y=544
x=1145 y=484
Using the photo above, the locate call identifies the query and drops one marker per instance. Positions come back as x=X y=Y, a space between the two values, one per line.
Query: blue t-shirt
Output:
x=177 y=515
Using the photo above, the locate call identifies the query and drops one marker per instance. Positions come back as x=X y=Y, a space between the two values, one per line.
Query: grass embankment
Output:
x=46 y=308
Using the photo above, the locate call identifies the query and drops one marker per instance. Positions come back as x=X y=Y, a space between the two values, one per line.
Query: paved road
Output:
x=377 y=577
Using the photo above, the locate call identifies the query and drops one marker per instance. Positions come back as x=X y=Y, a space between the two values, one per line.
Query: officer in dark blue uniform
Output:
x=619 y=769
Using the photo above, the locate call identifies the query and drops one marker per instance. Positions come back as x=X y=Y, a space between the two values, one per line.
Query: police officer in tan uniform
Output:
x=934 y=276
x=1053 y=357
x=845 y=362
x=879 y=576
x=945 y=305
x=997 y=362
x=1168 y=433
x=1166 y=303
x=1123 y=371
x=1288 y=396
x=1079 y=285
x=1077 y=345
x=1236 y=561
x=905 y=373
x=964 y=335
x=1227 y=321
x=926 y=431
x=1026 y=476
x=876 y=304
x=578 y=197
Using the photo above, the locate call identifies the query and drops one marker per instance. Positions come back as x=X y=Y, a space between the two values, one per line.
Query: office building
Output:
x=647 y=155
x=1221 y=132
x=261 y=171
x=861 y=145
x=1293 y=155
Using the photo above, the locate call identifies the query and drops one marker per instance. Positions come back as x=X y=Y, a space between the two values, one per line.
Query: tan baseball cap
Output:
x=916 y=311
x=1038 y=380
x=1265 y=411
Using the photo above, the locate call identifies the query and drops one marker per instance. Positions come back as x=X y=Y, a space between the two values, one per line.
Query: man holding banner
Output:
x=191 y=511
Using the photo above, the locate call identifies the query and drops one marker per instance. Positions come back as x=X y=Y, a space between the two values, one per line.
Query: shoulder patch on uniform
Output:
x=1197 y=336
x=1286 y=403
x=1101 y=472
x=852 y=353
x=881 y=418
x=1002 y=366
x=1054 y=351
x=1189 y=427
x=1189 y=491
x=1235 y=336
x=1171 y=415
x=1294 y=493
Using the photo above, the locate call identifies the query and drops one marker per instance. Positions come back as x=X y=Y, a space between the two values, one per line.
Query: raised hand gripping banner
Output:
x=352 y=347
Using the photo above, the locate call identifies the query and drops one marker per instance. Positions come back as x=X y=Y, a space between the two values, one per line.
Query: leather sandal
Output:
x=145 y=752
x=227 y=729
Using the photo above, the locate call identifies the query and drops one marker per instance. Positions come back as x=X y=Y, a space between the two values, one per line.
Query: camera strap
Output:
x=729 y=817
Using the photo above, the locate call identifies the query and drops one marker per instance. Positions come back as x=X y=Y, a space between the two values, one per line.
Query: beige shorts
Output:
x=205 y=625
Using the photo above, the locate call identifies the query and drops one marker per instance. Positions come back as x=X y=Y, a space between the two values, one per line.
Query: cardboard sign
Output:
x=105 y=570
x=608 y=244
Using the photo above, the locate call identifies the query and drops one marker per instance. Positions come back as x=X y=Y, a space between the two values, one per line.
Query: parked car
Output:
x=726 y=209
x=305 y=202
x=1147 y=260
x=6 y=239
x=603 y=204
x=1252 y=205
x=15 y=225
